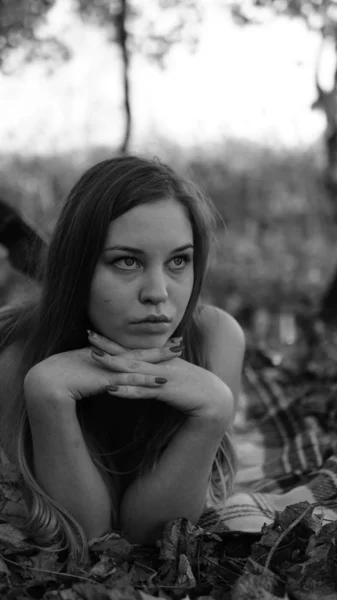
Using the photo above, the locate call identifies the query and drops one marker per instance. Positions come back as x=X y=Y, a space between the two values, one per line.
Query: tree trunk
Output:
x=331 y=141
x=122 y=40
x=328 y=305
x=326 y=101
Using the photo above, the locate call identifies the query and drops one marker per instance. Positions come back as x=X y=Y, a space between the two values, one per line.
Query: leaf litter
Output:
x=294 y=558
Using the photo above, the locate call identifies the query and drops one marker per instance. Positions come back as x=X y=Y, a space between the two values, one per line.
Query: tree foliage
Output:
x=147 y=33
x=152 y=28
x=140 y=30
x=135 y=27
x=319 y=15
x=20 y=21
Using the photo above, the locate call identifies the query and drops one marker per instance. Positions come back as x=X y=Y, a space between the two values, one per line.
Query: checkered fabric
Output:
x=286 y=440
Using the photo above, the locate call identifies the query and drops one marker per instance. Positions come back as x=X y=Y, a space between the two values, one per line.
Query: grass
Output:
x=279 y=249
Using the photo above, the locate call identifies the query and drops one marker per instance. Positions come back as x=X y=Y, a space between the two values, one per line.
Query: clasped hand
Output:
x=160 y=373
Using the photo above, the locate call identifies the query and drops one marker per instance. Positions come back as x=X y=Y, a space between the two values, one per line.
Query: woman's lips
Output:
x=152 y=327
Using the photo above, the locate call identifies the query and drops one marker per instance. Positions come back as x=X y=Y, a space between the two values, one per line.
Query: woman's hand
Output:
x=73 y=375
x=187 y=387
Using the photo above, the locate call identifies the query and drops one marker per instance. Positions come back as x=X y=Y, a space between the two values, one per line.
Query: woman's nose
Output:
x=154 y=288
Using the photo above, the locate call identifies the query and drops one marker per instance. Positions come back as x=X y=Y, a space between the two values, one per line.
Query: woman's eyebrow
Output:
x=139 y=251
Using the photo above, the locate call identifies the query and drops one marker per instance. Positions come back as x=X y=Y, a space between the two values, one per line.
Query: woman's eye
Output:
x=127 y=260
x=180 y=261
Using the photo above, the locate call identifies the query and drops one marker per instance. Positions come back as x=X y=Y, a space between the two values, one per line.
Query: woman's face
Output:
x=146 y=269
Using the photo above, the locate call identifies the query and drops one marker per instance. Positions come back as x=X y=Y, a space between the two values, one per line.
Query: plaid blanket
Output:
x=286 y=439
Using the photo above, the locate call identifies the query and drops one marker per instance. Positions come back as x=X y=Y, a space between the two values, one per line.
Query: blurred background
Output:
x=240 y=96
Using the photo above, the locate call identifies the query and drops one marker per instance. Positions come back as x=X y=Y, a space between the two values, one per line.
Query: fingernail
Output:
x=97 y=351
x=91 y=333
x=160 y=380
x=175 y=340
x=178 y=348
x=112 y=388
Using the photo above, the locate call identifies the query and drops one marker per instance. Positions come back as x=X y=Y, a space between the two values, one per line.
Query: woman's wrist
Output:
x=217 y=414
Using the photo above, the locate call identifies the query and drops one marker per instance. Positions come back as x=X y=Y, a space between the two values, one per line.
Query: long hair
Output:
x=58 y=322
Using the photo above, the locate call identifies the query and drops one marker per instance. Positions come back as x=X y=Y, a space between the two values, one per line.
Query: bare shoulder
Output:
x=224 y=345
x=221 y=330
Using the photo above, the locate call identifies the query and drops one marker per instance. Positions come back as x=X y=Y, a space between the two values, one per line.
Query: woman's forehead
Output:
x=162 y=222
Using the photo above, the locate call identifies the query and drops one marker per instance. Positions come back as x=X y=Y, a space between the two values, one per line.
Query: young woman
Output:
x=119 y=386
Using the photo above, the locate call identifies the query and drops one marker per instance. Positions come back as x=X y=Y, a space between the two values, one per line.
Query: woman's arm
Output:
x=225 y=347
x=63 y=466
x=61 y=460
x=177 y=486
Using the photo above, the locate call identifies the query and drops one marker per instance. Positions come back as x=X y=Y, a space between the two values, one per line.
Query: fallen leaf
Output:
x=141 y=574
x=262 y=548
x=258 y=583
x=269 y=536
x=145 y=596
x=185 y=574
x=254 y=587
x=325 y=536
x=315 y=579
x=105 y=567
x=67 y=595
x=308 y=583
x=12 y=537
x=91 y=591
x=3 y=567
x=310 y=521
x=285 y=540
x=179 y=537
x=114 y=545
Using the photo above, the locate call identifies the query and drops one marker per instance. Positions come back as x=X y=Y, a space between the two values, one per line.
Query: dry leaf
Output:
x=258 y=583
x=315 y=579
x=270 y=536
x=105 y=567
x=255 y=587
x=12 y=537
x=114 y=545
x=312 y=522
x=145 y=596
x=90 y=591
x=185 y=574
x=179 y=537
x=3 y=567
x=68 y=595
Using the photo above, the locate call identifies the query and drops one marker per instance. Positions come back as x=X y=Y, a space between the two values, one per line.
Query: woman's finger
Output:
x=130 y=391
x=105 y=344
x=135 y=379
x=135 y=360
x=114 y=348
x=150 y=355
